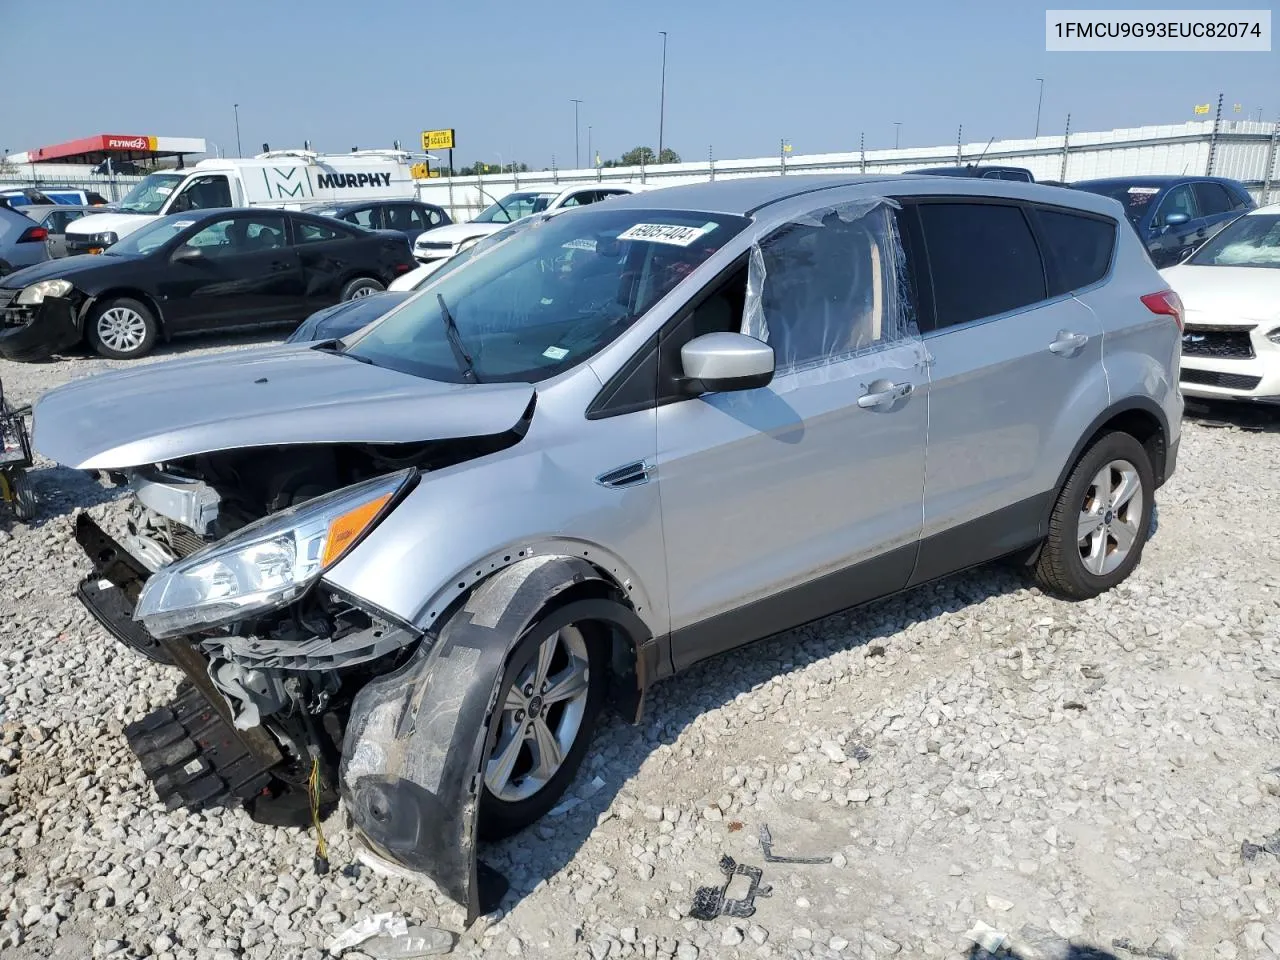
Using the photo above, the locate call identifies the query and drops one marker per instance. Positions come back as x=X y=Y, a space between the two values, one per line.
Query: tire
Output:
x=1095 y=544
x=122 y=329
x=24 y=498
x=360 y=287
x=529 y=789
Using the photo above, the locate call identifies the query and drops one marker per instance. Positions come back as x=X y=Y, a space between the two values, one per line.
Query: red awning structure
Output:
x=117 y=146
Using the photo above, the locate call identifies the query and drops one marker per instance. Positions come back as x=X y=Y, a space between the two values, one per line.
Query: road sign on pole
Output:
x=438 y=139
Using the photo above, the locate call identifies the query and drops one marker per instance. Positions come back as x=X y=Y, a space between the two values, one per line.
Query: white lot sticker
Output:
x=164 y=191
x=673 y=233
x=555 y=353
x=183 y=224
x=1144 y=189
x=584 y=244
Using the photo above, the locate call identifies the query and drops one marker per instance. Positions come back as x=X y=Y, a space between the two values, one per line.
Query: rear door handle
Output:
x=1068 y=343
x=882 y=392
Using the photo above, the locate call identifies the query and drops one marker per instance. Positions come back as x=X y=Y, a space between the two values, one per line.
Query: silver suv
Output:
x=413 y=566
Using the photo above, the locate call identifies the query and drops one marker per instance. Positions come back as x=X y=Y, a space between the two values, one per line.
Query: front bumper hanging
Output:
x=189 y=749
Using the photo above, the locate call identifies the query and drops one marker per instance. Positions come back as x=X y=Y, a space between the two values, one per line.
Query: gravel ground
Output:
x=982 y=764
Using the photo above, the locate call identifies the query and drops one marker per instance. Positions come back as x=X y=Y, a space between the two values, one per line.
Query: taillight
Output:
x=403 y=267
x=34 y=235
x=1166 y=303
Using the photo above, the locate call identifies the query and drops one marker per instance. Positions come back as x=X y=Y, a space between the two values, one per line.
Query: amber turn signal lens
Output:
x=344 y=530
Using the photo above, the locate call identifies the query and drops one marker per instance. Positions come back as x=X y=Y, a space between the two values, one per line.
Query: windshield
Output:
x=145 y=239
x=514 y=206
x=1136 y=200
x=1252 y=241
x=149 y=195
x=548 y=297
x=473 y=251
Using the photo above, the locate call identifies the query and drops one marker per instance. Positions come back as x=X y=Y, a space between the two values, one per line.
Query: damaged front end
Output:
x=220 y=572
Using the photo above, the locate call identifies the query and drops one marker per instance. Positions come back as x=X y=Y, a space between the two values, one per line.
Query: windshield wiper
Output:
x=464 y=361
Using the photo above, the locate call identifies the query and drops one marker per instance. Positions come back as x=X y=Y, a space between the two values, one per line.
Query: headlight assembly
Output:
x=266 y=564
x=1274 y=335
x=104 y=239
x=45 y=288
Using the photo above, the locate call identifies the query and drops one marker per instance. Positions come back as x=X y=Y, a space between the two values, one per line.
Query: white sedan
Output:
x=1230 y=289
x=443 y=242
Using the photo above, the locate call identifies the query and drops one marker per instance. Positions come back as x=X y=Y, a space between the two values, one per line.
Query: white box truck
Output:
x=279 y=178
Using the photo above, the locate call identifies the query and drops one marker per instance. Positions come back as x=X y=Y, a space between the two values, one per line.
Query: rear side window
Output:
x=1079 y=248
x=983 y=258
x=1212 y=199
x=308 y=231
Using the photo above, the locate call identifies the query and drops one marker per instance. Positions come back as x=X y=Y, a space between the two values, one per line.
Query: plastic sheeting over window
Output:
x=829 y=287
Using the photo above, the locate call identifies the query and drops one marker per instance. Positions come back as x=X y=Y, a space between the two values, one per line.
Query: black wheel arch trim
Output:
x=412 y=767
x=1128 y=405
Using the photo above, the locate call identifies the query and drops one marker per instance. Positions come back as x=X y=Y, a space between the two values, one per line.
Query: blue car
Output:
x=1174 y=215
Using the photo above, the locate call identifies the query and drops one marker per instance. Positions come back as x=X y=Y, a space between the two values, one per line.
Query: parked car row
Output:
x=194 y=272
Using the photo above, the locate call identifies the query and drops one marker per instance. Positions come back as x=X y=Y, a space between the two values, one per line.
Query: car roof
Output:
x=744 y=196
x=1271 y=209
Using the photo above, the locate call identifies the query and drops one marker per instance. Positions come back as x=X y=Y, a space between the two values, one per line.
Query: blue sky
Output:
x=740 y=75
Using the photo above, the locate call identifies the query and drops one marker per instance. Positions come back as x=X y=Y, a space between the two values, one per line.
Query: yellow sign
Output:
x=1202 y=107
x=433 y=174
x=420 y=171
x=787 y=148
x=1237 y=108
x=438 y=139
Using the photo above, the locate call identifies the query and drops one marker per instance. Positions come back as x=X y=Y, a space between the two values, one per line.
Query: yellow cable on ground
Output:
x=313 y=793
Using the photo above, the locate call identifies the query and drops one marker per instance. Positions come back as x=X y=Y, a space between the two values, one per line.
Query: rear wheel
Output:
x=1101 y=520
x=122 y=329
x=361 y=287
x=552 y=692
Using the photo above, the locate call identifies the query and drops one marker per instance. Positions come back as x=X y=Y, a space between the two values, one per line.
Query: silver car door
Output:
x=785 y=503
x=1016 y=377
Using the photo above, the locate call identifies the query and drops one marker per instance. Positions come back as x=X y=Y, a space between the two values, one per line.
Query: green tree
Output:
x=668 y=156
x=637 y=156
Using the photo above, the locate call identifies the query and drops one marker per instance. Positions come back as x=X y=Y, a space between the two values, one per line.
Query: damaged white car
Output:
x=412 y=566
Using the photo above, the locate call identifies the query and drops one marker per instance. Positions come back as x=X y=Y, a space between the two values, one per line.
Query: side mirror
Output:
x=718 y=362
x=186 y=254
x=1173 y=219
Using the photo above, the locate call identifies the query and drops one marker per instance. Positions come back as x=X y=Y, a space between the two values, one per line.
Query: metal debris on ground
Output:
x=378 y=924
x=711 y=902
x=766 y=844
x=1250 y=851
x=414 y=942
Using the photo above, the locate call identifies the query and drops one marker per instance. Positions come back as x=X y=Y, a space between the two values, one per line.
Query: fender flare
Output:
x=1129 y=405
x=411 y=773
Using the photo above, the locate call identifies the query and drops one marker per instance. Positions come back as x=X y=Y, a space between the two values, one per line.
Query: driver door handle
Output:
x=883 y=392
x=1067 y=343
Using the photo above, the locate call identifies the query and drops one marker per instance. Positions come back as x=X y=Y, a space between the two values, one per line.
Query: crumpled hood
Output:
x=118 y=223
x=263 y=397
x=1227 y=294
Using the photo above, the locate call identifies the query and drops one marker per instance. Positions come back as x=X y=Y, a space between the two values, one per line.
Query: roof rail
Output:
x=272 y=154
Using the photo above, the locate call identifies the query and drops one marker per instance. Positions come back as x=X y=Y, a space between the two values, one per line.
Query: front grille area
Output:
x=1224 y=343
x=1228 y=381
x=8 y=296
x=434 y=245
x=14 y=316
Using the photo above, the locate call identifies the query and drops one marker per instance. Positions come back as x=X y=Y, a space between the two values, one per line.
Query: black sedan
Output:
x=210 y=270
x=403 y=216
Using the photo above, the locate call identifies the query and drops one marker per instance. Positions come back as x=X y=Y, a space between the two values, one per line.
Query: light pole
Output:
x=577 y=157
x=590 y=162
x=237 y=109
x=500 y=163
x=662 y=96
x=1039 y=104
x=897 y=126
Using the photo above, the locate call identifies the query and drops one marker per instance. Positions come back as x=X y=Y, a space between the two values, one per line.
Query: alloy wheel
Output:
x=359 y=292
x=541 y=717
x=1110 y=518
x=122 y=329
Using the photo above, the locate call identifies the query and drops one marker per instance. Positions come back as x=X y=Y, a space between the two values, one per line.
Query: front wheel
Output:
x=360 y=287
x=122 y=329
x=553 y=690
x=1101 y=520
